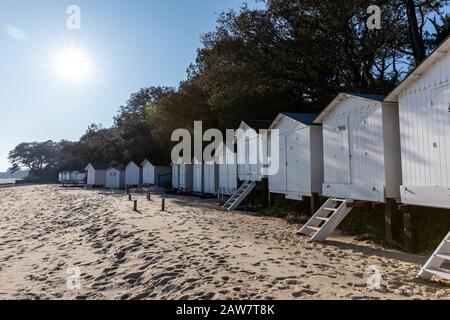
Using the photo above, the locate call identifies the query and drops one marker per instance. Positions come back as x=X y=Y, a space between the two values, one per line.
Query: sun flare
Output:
x=72 y=65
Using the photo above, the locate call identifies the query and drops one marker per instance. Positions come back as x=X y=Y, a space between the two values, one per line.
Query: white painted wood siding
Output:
x=211 y=178
x=148 y=174
x=175 y=176
x=186 y=177
x=228 y=172
x=425 y=136
x=115 y=179
x=354 y=153
x=424 y=108
x=198 y=178
x=294 y=176
x=132 y=174
x=95 y=177
x=250 y=162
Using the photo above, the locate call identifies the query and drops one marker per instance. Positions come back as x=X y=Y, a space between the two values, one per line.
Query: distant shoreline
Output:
x=8 y=181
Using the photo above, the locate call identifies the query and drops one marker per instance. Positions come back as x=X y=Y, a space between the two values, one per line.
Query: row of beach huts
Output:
x=392 y=150
x=119 y=176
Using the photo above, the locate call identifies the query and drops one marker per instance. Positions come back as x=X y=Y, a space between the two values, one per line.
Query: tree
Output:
x=40 y=158
x=103 y=144
x=34 y=155
x=421 y=13
x=132 y=122
x=295 y=55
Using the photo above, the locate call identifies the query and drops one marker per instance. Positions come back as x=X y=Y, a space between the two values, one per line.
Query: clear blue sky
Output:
x=132 y=44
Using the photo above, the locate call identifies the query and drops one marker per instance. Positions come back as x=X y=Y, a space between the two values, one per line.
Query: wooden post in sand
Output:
x=148 y=196
x=129 y=197
x=314 y=203
x=392 y=221
x=163 y=205
x=409 y=229
x=135 y=206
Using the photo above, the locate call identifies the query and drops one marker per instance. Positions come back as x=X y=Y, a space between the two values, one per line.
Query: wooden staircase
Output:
x=239 y=196
x=327 y=219
x=439 y=257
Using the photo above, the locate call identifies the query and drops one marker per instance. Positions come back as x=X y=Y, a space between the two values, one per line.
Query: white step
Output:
x=432 y=267
x=331 y=223
x=440 y=273
x=443 y=256
x=239 y=196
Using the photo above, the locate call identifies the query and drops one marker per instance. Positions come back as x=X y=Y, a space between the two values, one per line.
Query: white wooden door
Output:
x=277 y=181
x=246 y=165
x=342 y=151
x=353 y=146
x=253 y=158
x=298 y=168
x=241 y=157
x=440 y=137
x=151 y=175
x=282 y=178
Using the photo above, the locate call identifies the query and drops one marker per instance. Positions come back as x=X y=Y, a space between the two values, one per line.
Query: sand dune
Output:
x=193 y=251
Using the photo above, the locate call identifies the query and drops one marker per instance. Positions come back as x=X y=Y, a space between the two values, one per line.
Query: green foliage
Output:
x=40 y=158
x=430 y=226
x=368 y=222
x=289 y=212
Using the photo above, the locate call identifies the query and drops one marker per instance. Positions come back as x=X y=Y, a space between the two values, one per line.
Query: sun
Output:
x=73 y=65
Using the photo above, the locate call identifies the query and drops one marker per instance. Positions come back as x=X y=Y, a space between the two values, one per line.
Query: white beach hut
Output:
x=96 y=174
x=249 y=150
x=361 y=147
x=62 y=177
x=186 y=177
x=115 y=178
x=424 y=110
x=175 y=176
x=228 y=181
x=211 y=177
x=66 y=176
x=423 y=101
x=198 y=177
x=300 y=156
x=78 y=177
x=251 y=157
x=152 y=171
x=133 y=175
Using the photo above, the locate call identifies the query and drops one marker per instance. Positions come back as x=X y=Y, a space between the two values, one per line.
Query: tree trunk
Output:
x=417 y=42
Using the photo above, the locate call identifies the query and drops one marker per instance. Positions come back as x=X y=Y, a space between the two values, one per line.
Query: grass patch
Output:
x=291 y=213
x=366 y=223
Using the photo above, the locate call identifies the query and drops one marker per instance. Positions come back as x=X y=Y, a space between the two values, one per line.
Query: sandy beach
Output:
x=192 y=251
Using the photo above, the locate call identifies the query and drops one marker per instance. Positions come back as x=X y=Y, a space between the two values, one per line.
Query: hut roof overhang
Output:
x=420 y=70
x=304 y=118
x=344 y=96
